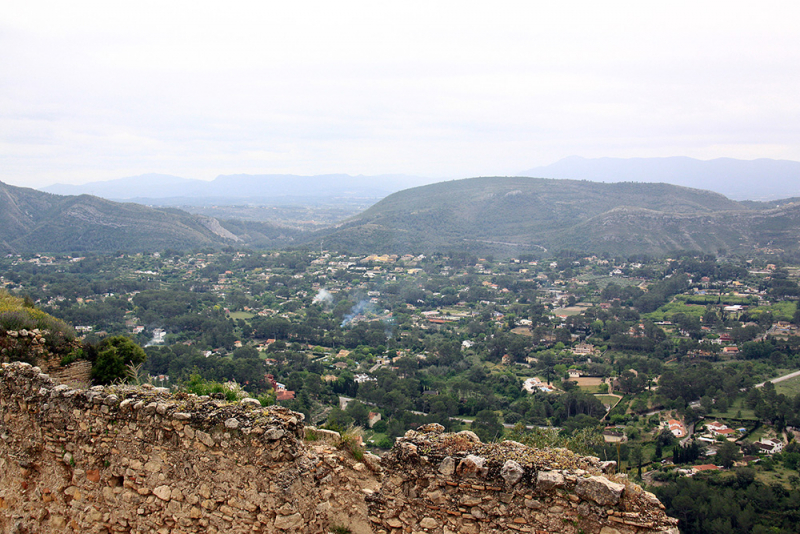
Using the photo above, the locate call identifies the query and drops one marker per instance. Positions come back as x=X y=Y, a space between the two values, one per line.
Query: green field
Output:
x=790 y=388
x=610 y=400
x=676 y=306
x=733 y=411
x=781 y=311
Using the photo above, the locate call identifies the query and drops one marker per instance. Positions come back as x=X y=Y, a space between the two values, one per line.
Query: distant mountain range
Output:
x=523 y=214
x=760 y=179
x=263 y=189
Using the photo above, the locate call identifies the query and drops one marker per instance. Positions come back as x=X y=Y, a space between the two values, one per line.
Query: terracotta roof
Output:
x=284 y=394
x=706 y=467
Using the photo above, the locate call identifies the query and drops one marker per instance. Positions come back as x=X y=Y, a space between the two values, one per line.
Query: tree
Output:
x=113 y=355
x=358 y=412
x=727 y=454
x=636 y=457
x=487 y=425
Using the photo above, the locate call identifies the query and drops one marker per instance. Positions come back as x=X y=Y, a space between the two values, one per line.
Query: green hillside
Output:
x=32 y=221
x=542 y=214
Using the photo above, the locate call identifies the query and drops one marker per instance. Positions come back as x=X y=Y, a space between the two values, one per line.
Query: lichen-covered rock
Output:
x=549 y=480
x=448 y=466
x=512 y=472
x=248 y=402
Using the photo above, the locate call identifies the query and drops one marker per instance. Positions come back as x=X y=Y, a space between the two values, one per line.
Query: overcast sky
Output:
x=100 y=90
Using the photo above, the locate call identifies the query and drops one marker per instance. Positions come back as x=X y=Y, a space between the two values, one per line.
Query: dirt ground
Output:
x=588 y=381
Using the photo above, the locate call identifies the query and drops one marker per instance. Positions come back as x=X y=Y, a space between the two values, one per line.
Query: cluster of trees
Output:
x=657 y=295
x=180 y=362
x=690 y=382
x=686 y=454
x=731 y=504
x=779 y=409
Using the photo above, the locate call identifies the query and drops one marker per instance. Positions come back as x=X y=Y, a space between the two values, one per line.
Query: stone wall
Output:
x=75 y=374
x=126 y=459
x=453 y=483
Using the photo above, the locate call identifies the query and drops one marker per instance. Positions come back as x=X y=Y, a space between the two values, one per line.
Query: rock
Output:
x=512 y=472
x=652 y=500
x=289 y=522
x=163 y=492
x=274 y=434
x=608 y=467
x=447 y=467
x=436 y=497
x=250 y=403
x=428 y=522
x=477 y=513
x=322 y=434
x=394 y=523
x=470 y=435
x=472 y=466
x=533 y=504
x=372 y=461
x=232 y=423
x=469 y=501
x=548 y=480
x=204 y=438
x=600 y=490
x=431 y=428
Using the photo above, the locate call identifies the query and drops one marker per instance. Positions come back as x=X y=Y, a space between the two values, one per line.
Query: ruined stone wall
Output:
x=453 y=483
x=125 y=459
x=75 y=374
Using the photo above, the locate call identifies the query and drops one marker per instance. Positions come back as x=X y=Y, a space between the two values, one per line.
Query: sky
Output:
x=101 y=90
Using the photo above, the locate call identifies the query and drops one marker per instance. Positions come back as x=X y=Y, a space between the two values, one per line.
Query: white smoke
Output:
x=362 y=307
x=324 y=296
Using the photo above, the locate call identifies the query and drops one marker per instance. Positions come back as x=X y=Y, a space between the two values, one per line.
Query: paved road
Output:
x=689 y=432
x=779 y=379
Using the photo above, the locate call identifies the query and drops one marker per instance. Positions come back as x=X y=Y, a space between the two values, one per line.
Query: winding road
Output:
x=779 y=379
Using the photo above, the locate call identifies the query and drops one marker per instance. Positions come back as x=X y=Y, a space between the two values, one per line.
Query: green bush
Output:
x=113 y=355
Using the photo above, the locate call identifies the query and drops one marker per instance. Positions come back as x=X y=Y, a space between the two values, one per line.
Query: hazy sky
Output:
x=101 y=90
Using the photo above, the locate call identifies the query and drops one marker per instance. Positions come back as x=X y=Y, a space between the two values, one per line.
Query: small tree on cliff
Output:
x=113 y=355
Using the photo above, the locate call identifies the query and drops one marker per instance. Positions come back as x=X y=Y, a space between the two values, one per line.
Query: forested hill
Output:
x=541 y=214
x=33 y=221
x=483 y=215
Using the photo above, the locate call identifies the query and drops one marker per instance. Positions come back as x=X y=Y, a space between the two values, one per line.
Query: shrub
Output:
x=113 y=355
x=352 y=442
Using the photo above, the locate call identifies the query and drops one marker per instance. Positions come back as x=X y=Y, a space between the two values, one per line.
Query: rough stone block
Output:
x=600 y=490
